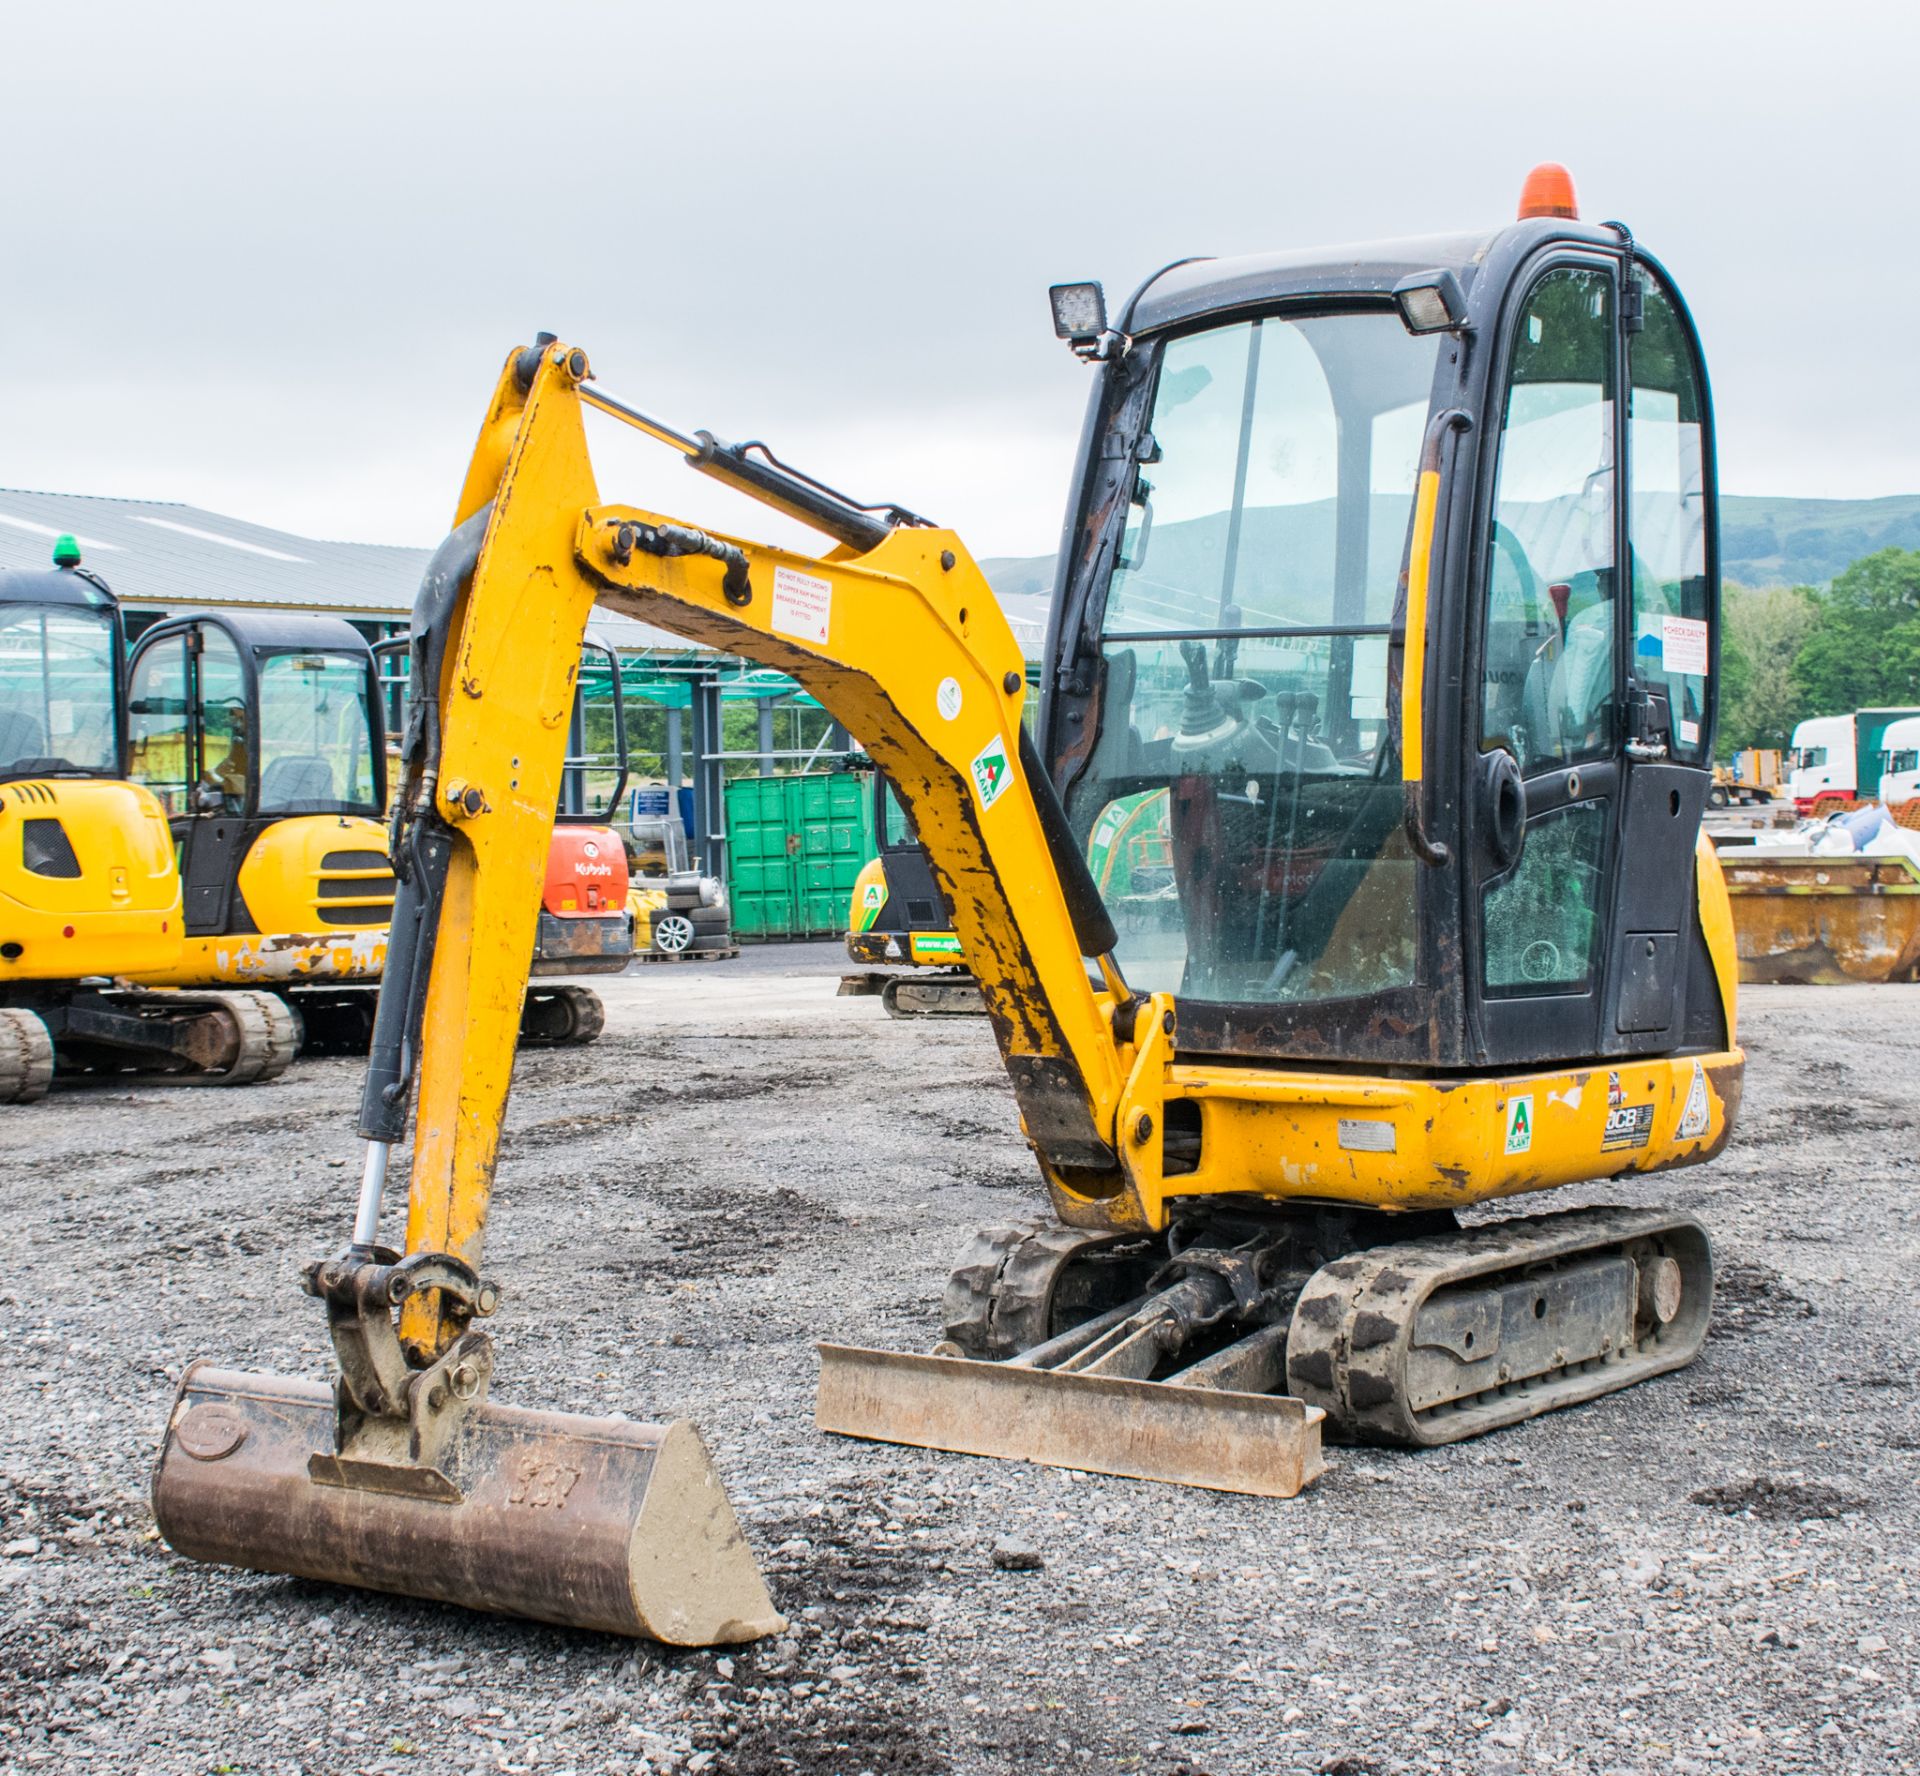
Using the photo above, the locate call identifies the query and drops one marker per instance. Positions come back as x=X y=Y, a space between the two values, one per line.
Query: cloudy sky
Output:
x=267 y=259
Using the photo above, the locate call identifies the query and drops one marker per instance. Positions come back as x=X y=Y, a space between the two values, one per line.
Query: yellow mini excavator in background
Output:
x=1393 y=569
x=899 y=931
x=261 y=735
x=89 y=894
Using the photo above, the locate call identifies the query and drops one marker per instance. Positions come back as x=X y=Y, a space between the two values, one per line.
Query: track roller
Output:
x=26 y=1057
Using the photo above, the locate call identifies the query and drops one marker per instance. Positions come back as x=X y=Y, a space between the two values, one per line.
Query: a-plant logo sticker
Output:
x=1520 y=1124
x=992 y=772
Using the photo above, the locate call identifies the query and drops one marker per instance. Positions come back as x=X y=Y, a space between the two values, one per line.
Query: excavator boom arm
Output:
x=905 y=645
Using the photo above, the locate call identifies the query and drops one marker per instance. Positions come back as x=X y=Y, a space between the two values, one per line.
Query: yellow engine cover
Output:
x=320 y=889
x=119 y=913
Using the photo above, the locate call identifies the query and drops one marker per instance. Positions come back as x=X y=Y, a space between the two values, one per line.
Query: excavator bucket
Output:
x=594 y=1523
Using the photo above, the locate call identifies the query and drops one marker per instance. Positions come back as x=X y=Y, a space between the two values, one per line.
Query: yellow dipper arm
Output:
x=904 y=644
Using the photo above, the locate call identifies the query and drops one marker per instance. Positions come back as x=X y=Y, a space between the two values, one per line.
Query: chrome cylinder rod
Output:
x=373 y=1183
x=595 y=396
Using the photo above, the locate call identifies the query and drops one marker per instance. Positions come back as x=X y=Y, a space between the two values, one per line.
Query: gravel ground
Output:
x=1714 y=1571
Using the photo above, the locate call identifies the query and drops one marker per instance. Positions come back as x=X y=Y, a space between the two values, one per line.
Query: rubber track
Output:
x=1347 y=1346
x=904 y=996
x=1000 y=1293
x=586 y=1016
x=269 y=1038
x=26 y=1057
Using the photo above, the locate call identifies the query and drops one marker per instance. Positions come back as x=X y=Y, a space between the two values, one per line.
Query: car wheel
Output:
x=673 y=933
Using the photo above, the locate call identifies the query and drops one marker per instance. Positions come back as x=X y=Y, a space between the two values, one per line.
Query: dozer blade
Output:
x=593 y=1523
x=1265 y=1444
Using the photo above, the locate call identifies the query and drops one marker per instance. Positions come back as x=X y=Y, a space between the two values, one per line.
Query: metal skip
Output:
x=594 y=1523
x=1264 y=1444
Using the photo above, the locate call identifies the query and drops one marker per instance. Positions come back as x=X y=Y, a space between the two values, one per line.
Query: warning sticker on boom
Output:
x=1698 y=1113
x=802 y=604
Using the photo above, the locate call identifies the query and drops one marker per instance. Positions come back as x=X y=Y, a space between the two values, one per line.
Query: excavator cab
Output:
x=60 y=651
x=261 y=735
x=86 y=881
x=1474 y=853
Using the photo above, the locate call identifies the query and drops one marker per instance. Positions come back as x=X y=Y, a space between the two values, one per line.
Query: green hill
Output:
x=1763 y=542
x=1805 y=542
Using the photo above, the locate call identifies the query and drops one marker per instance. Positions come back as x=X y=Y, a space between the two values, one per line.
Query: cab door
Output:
x=913 y=898
x=1595 y=641
x=193 y=745
x=1544 y=784
x=1672 y=618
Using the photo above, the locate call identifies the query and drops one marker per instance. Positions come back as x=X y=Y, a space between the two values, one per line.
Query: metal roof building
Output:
x=162 y=558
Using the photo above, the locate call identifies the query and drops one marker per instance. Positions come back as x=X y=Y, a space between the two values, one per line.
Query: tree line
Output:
x=1790 y=652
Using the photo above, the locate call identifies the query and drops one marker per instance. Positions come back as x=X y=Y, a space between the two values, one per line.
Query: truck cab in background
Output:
x=1837 y=761
x=1900 y=769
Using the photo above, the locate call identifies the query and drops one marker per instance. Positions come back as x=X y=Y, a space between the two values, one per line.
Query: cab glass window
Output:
x=1666 y=468
x=158 y=726
x=56 y=690
x=1547 y=690
x=897 y=827
x=1242 y=810
x=316 y=733
x=1540 y=921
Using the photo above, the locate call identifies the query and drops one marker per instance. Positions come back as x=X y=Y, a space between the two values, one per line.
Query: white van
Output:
x=1900 y=762
x=1821 y=761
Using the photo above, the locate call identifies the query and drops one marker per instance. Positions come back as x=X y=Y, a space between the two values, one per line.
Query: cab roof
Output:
x=276 y=629
x=55 y=585
x=1194 y=288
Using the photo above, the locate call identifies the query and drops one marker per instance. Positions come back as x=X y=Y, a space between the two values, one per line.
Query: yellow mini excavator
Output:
x=89 y=894
x=261 y=735
x=1392 y=569
x=899 y=931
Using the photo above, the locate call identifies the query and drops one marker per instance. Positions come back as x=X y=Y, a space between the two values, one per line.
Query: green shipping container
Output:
x=794 y=847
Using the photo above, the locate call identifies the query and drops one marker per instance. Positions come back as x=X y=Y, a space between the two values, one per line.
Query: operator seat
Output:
x=294 y=781
x=21 y=737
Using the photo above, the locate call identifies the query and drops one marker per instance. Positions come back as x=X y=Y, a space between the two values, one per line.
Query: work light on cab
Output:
x=1430 y=302
x=1080 y=318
